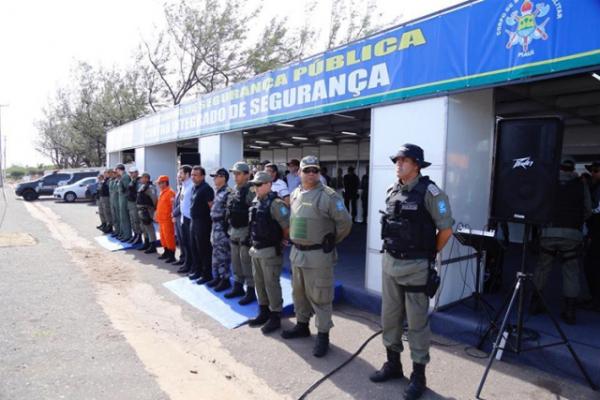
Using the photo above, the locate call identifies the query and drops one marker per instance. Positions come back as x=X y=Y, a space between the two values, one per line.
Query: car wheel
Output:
x=30 y=195
x=70 y=197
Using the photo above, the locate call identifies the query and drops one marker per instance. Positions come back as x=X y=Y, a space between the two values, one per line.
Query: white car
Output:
x=70 y=193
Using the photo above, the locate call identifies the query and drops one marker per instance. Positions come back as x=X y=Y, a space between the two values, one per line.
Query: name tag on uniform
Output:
x=410 y=206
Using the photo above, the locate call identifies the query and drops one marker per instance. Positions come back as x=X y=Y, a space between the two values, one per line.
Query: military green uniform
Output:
x=124 y=222
x=240 y=246
x=315 y=214
x=398 y=304
x=564 y=242
x=113 y=188
x=143 y=207
x=268 y=261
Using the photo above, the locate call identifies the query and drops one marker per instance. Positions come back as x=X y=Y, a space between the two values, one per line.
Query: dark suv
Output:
x=45 y=186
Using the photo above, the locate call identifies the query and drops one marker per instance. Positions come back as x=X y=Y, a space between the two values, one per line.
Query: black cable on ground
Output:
x=339 y=367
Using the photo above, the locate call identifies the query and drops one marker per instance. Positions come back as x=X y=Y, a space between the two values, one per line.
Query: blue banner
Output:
x=479 y=44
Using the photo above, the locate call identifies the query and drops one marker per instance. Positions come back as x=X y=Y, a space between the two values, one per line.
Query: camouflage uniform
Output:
x=221 y=256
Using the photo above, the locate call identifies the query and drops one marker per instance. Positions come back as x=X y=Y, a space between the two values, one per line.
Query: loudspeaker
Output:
x=525 y=172
x=189 y=159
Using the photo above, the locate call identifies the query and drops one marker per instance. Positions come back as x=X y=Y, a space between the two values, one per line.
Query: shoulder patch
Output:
x=433 y=189
x=442 y=207
x=339 y=205
x=283 y=210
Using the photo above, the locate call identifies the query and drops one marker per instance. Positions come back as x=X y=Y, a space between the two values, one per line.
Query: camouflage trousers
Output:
x=221 y=255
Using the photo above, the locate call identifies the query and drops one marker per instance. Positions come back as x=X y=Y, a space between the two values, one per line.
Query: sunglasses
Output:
x=257 y=185
x=310 y=170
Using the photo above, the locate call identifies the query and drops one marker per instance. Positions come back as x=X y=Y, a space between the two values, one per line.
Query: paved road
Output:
x=79 y=322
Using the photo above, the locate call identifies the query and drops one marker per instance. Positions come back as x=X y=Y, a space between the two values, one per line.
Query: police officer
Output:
x=417 y=225
x=562 y=240
x=319 y=220
x=104 y=202
x=221 y=256
x=269 y=227
x=238 y=205
x=132 y=190
x=146 y=205
x=113 y=190
x=124 y=222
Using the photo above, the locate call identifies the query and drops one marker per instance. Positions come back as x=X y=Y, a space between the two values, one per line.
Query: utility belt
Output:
x=245 y=242
x=258 y=246
x=327 y=246
x=430 y=288
x=408 y=255
x=144 y=214
x=308 y=247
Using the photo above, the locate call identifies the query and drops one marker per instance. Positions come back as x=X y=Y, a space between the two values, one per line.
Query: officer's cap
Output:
x=261 y=177
x=411 y=151
x=120 y=166
x=221 y=172
x=309 y=162
x=240 y=166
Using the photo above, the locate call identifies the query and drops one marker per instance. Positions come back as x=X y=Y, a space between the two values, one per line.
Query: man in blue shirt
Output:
x=200 y=226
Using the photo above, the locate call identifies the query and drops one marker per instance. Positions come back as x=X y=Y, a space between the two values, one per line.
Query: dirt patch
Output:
x=186 y=360
x=16 y=239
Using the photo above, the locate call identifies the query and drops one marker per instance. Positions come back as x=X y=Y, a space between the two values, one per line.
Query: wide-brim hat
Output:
x=413 y=152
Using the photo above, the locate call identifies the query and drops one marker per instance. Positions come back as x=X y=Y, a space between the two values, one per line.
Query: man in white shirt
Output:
x=293 y=177
x=278 y=185
x=186 y=206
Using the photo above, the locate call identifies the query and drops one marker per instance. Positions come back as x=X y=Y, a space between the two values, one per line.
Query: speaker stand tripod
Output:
x=522 y=280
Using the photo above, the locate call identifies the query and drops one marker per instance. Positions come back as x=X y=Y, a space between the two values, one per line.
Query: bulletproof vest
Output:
x=568 y=205
x=408 y=230
x=309 y=219
x=132 y=190
x=238 y=208
x=219 y=207
x=143 y=199
x=264 y=230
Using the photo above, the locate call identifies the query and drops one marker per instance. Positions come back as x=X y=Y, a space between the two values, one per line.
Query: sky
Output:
x=41 y=41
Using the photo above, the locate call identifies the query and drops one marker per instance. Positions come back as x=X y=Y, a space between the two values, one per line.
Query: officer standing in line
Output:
x=319 y=220
x=104 y=202
x=562 y=240
x=125 y=223
x=269 y=227
x=132 y=190
x=146 y=205
x=417 y=225
x=221 y=256
x=113 y=189
x=592 y=261
x=238 y=205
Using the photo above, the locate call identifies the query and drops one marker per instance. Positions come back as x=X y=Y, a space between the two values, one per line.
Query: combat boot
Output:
x=151 y=249
x=261 y=318
x=101 y=226
x=214 y=282
x=568 y=313
x=237 y=291
x=139 y=239
x=298 y=331
x=164 y=255
x=108 y=229
x=223 y=285
x=321 y=345
x=392 y=369
x=146 y=245
x=204 y=279
x=133 y=239
x=273 y=323
x=170 y=257
x=250 y=296
x=418 y=384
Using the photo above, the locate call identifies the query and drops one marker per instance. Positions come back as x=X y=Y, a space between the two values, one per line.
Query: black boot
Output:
x=132 y=239
x=273 y=323
x=151 y=249
x=214 y=282
x=164 y=255
x=321 y=345
x=171 y=257
x=261 y=318
x=568 y=313
x=298 y=331
x=180 y=262
x=223 y=285
x=183 y=270
x=392 y=369
x=114 y=234
x=536 y=306
x=195 y=276
x=101 y=226
x=418 y=384
x=250 y=296
x=237 y=291
x=139 y=239
x=146 y=245
x=108 y=228
x=205 y=278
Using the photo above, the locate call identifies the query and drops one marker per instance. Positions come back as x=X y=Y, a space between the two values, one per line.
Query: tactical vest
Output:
x=237 y=209
x=132 y=190
x=264 y=230
x=408 y=230
x=309 y=219
x=219 y=208
x=568 y=206
x=143 y=199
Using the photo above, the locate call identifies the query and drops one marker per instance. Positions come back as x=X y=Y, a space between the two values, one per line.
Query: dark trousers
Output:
x=201 y=247
x=592 y=265
x=186 y=245
x=350 y=200
x=365 y=206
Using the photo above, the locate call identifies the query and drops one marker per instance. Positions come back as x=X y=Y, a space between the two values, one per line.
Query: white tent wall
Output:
x=158 y=160
x=220 y=150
